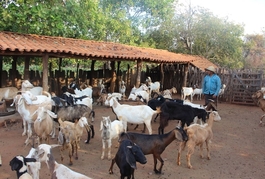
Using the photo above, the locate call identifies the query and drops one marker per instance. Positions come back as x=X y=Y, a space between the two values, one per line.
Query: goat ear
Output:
x=178 y=135
x=130 y=158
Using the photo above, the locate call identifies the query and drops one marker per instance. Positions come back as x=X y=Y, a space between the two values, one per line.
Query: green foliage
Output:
x=163 y=24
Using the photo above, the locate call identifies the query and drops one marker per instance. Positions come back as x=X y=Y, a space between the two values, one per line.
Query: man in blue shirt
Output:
x=211 y=85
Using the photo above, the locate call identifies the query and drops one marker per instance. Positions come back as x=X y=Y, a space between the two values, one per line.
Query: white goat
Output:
x=58 y=171
x=198 y=92
x=140 y=114
x=27 y=86
x=122 y=88
x=27 y=110
x=143 y=95
x=168 y=92
x=8 y=93
x=85 y=92
x=44 y=125
x=153 y=86
x=111 y=95
x=33 y=167
x=187 y=91
x=110 y=130
x=197 y=135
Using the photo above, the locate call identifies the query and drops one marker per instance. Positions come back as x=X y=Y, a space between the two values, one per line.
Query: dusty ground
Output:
x=237 y=150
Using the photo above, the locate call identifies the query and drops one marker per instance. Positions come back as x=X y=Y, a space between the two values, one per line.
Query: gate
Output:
x=243 y=85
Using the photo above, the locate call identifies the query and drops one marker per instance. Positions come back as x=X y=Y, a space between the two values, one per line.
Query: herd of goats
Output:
x=74 y=108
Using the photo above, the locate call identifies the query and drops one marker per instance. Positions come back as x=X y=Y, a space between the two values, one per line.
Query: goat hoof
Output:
x=71 y=163
x=110 y=172
x=157 y=172
x=76 y=158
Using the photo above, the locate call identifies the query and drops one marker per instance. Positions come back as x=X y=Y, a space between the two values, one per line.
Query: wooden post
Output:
x=26 y=68
x=162 y=77
x=138 y=77
x=45 y=59
x=14 y=70
x=186 y=67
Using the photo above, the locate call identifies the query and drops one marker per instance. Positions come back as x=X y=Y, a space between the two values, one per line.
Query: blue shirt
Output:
x=211 y=85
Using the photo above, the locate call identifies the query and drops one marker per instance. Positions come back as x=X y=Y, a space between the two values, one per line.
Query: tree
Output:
x=254 y=51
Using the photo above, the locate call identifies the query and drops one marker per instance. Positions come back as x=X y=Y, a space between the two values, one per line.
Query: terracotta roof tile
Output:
x=35 y=45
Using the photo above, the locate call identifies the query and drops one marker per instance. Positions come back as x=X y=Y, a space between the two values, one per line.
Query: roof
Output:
x=37 y=45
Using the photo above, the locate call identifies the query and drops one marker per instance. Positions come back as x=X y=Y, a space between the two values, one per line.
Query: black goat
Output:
x=155 y=144
x=156 y=102
x=176 y=111
x=19 y=164
x=126 y=157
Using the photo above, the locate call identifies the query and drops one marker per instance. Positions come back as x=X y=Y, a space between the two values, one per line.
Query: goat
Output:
x=126 y=157
x=44 y=124
x=58 y=171
x=18 y=163
x=258 y=95
x=156 y=102
x=134 y=114
x=33 y=167
x=198 y=92
x=112 y=95
x=187 y=91
x=69 y=136
x=72 y=133
x=122 y=88
x=27 y=86
x=110 y=130
x=197 y=135
x=7 y=93
x=27 y=111
x=153 y=87
x=155 y=144
x=168 y=92
x=72 y=113
x=173 y=110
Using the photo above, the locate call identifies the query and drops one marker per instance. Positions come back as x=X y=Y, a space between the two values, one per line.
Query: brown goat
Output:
x=197 y=135
x=260 y=101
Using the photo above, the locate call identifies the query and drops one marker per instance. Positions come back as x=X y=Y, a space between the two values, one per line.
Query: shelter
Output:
x=31 y=45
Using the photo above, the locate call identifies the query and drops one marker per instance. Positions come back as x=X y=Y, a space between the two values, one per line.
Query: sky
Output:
x=251 y=13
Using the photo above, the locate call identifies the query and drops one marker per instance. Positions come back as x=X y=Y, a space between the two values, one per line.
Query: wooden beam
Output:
x=45 y=60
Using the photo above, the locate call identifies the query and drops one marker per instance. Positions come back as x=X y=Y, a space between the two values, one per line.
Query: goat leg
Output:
x=103 y=150
x=109 y=149
x=111 y=166
x=260 y=123
x=208 y=150
x=161 y=165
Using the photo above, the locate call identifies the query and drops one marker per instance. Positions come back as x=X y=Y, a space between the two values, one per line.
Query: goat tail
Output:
x=92 y=113
x=88 y=135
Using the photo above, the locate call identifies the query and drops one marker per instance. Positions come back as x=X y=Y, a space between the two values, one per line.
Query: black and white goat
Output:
x=19 y=164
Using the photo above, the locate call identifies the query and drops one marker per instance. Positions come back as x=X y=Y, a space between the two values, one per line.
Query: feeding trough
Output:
x=4 y=111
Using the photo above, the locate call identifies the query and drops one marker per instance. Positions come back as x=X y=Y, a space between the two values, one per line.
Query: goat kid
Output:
x=110 y=130
x=197 y=135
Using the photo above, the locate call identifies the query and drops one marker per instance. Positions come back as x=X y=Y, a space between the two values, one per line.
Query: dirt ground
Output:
x=237 y=150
